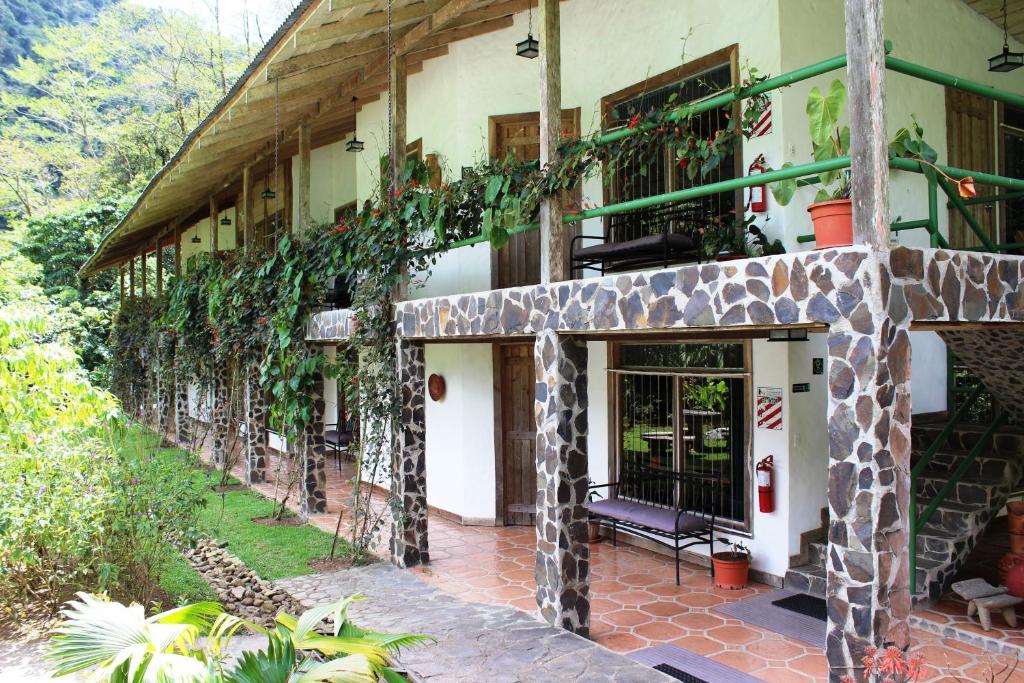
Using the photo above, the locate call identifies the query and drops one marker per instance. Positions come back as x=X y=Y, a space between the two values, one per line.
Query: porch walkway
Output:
x=634 y=600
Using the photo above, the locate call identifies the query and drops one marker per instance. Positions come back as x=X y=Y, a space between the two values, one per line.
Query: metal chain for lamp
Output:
x=391 y=143
x=277 y=140
x=1006 y=38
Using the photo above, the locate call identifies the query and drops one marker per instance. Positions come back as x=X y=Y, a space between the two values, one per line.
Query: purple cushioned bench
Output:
x=691 y=520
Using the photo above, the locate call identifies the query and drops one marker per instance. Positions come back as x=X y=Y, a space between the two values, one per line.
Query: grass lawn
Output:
x=273 y=552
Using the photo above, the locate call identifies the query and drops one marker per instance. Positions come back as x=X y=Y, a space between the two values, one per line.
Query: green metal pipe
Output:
x=954 y=197
x=990 y=199
x=924 y=73
x=903 y=164
x=933 y=213
x=780 y=81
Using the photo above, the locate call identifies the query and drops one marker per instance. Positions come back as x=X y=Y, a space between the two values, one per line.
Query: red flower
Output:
x=633 y=121
x=340 y=228
x=684 y=162
x=262 y=320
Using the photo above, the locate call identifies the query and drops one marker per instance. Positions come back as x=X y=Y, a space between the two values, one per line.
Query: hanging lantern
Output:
x=268 y=194
x=1006 y=60
x=528 y=48
x=195 y=239
x=355 y=144
x=225 y=220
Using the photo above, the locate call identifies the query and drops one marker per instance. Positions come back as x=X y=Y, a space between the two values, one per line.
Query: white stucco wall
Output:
x=460 y=432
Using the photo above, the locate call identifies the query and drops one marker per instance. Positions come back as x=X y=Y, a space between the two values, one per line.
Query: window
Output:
x=683 y=407
x=693 y=81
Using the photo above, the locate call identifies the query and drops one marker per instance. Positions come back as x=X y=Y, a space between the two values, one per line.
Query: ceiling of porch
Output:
x=993 y=9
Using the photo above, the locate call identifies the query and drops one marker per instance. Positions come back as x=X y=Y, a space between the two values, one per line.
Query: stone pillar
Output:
x=163 y=390
x=255 y=434
x=182 y=421
x=219 y=414
x=563 y=552
x=869 y=410
x=409 y=543
x=313 y=478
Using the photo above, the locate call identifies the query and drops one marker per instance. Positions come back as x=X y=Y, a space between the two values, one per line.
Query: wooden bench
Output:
x=983 y=599
x=686 y=517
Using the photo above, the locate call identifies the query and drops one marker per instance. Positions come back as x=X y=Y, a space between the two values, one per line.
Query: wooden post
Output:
x=214 y=227
x=120 y=275
x=159 y=268
x=869 y=163
x=398 y=101
x=245 y=211
x=398 y=106
x=131 y=277
x=142 y=264
x=305 y=139
x=177 y=250
x=552 y=231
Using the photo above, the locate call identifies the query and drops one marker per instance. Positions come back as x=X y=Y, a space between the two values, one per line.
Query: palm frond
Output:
x=389 y=675
x=338 y=645
x=224 y=629
x=393 y=642
x=354 y=669
x=273 y=665
x=95 y=632
x=198 y=614
x=312 y=617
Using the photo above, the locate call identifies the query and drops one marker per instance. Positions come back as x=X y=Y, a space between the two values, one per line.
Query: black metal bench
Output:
x=650 y=237
x=338 y=437
x=686 y=517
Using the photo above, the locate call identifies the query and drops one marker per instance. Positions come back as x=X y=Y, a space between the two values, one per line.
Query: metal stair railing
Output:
x=917 y=521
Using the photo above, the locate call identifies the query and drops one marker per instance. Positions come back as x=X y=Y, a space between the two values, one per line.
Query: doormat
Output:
x=801 y=603
x=684 y=665
x=760 y=611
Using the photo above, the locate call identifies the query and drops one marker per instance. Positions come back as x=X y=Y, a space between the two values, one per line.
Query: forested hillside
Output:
x=85 y=122
x=22 y=21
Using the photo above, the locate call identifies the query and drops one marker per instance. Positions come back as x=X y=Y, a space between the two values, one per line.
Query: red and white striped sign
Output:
x=769 y=408
x=764 y=124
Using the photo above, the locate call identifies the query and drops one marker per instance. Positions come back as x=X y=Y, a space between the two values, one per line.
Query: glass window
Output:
x=683 y=407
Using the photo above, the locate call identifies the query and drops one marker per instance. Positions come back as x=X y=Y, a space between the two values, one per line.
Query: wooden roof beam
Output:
x=342 y=28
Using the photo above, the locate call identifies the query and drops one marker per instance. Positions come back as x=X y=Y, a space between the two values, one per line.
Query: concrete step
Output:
x=1008 y=442
x=988 y=466
x=970 y=490
x=807 y=578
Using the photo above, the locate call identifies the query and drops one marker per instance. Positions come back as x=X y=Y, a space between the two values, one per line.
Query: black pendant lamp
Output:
x=225 y=220
x=195 y=238
x=355 y=144
x=1006 y=60
x=528 y=48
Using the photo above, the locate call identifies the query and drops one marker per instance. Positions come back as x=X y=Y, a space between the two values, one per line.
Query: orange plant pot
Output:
x=731 y=570
x=1017 y=544
x=1015 y=516
x=833 y=223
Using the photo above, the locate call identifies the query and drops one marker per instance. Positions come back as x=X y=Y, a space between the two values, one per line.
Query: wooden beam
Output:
x=338 y=29
x=869 y=159
x=305 y=165
x=246 y=209
x=142 y=265
x=177 y=250
x=552 y=231
x=159 y=268
x=120 y=275
x=443 y=38
x=399 y=82
x=437 y=21
x=325 y=57
x=214 y=230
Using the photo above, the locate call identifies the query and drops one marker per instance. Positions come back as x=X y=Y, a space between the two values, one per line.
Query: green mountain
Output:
x=21 y=21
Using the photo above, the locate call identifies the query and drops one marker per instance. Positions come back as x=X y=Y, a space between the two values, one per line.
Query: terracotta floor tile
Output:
x=659 y=631
x=814 y=665
x=734 y=635
x=627 y=617
x=699 y=644
x=620 y=641
x=739 y=660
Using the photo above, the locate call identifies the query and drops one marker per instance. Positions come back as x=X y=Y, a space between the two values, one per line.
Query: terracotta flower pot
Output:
x=1015 y=577
x=731 y=570
x=833 y=223
x=1015 y=516
x=1017 y=544
x=1006 y=562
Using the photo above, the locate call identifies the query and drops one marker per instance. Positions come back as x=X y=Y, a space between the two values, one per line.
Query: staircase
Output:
x=944 y=543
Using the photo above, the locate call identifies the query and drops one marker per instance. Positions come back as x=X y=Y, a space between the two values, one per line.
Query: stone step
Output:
x=970 y=490
x=1009 y=442
x=989 y=465
x=959 y=518
x=806 y=578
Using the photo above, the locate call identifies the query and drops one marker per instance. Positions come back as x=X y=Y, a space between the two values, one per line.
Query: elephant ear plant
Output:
x=119 y=644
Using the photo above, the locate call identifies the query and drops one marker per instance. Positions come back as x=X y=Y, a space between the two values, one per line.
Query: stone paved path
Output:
x=476 y=643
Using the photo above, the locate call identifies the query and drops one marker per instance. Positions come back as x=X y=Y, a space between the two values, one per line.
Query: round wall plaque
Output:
x=436 y=387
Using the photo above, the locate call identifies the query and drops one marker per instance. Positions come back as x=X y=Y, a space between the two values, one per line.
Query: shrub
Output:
x=87 y=504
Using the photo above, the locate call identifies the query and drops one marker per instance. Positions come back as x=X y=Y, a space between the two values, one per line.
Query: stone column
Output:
x=312 y=477
x=182 y=421
x=409 y=544
x=255 y=434
x=869 y=488
x=219 y=414
x=563 y=553
x=163 y=390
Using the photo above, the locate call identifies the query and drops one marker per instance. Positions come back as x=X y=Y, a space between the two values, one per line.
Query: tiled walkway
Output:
x=635 y=602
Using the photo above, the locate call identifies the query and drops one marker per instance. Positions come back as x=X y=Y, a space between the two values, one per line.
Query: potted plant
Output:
x=832 y=211
x=731 y=566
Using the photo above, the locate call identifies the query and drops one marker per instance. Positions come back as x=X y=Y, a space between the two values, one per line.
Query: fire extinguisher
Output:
x=758 y=196
x=765 y=484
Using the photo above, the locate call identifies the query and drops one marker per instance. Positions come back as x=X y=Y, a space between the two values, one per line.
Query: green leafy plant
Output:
x=737 y=548
x=829 y=141
x=118 y=643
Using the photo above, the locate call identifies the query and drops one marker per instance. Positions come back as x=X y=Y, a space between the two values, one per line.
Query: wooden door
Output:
x=518 y=262
x=518 y=434
x=970 y=136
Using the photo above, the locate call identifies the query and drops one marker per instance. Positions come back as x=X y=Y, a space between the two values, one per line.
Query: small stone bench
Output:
x=983 y=599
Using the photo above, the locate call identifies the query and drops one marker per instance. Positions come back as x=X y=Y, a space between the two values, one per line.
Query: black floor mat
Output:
x=678 y=674
x=808 y=605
